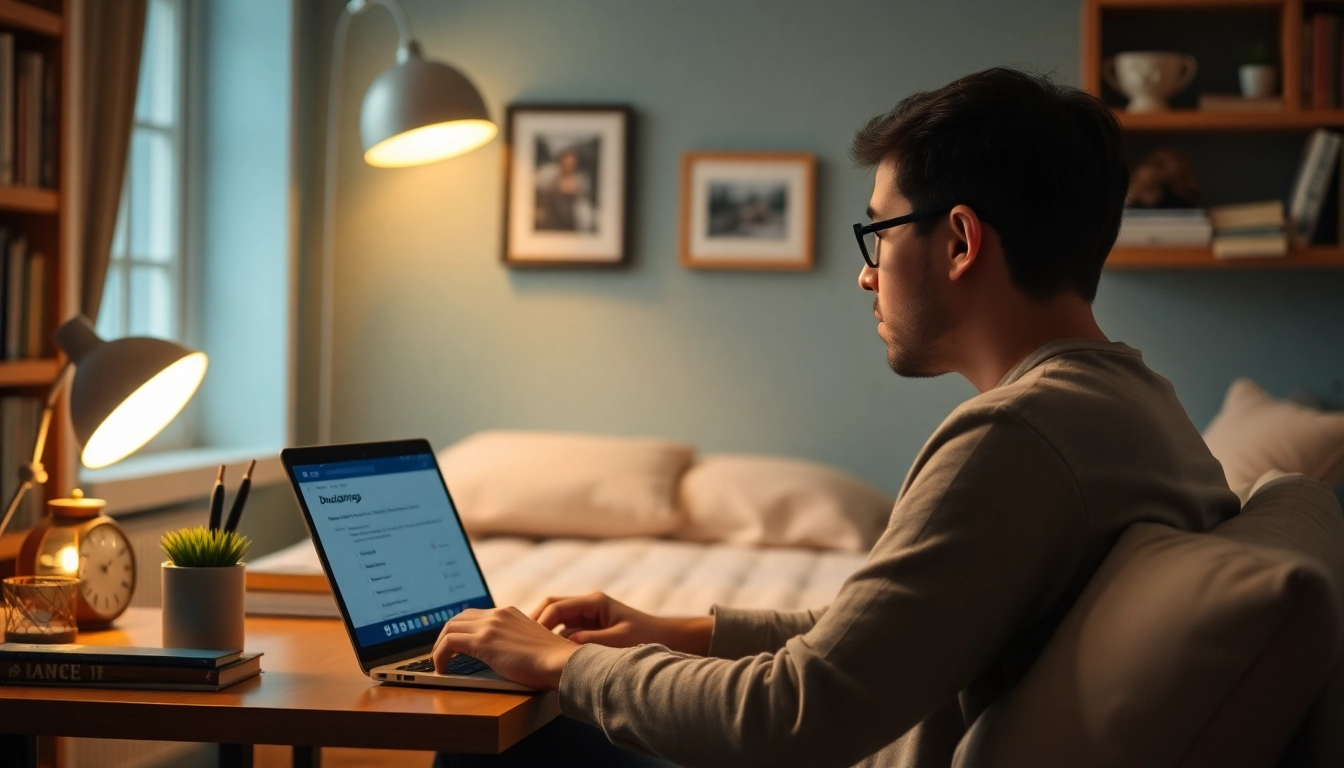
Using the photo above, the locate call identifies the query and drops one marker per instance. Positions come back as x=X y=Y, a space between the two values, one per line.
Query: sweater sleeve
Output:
x=739 y=632
x=983 y=539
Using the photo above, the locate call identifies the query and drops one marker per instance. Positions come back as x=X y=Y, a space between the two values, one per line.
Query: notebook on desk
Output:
x=396 y=556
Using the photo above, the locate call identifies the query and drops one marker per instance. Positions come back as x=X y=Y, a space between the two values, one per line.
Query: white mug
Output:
x=1149 y=78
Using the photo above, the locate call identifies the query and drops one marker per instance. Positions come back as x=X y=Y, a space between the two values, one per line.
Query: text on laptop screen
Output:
x=396 y=550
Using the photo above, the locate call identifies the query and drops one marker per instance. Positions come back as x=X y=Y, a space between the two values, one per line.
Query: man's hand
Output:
x=515 y=646
x=596 y=618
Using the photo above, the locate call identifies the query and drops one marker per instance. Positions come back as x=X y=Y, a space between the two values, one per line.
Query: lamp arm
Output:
x=34 y=473
x=326 y=311
x=356 y=7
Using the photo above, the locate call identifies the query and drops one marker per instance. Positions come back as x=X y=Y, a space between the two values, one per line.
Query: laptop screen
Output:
x=394 y=546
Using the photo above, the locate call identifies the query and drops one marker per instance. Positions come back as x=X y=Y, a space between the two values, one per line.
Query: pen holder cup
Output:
x=203 y=607
x=40 y=609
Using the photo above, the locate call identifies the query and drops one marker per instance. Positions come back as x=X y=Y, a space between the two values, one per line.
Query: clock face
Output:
x=106 y=570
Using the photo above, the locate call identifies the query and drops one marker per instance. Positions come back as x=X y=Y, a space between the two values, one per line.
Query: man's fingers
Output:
x=589 y=611
x=535 y=615
x=451 y=644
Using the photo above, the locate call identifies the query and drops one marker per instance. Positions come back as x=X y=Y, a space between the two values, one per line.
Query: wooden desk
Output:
x=310 y=694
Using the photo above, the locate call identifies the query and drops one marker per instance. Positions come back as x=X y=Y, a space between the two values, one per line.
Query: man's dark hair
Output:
x=1039 y=162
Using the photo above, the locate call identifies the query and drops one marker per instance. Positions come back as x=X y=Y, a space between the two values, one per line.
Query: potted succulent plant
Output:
x=203 y=588
x=1257 y=73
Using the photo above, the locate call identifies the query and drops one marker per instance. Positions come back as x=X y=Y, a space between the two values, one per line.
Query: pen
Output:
x=217 y=499
x=236 y=511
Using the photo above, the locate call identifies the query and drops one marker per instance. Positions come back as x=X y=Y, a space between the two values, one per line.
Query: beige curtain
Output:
x=112 y=33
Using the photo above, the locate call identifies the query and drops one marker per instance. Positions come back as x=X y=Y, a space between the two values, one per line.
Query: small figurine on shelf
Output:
x=1164 y=178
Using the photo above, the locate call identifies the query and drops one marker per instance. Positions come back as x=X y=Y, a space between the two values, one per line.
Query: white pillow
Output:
x=1256 y=432
x=556 y=484
x=771 y=501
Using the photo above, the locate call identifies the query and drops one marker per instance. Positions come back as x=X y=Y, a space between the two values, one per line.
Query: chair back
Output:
x=1218 y=649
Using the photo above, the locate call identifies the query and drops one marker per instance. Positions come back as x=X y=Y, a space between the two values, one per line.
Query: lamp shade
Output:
x=124 y=391
x=420 y=112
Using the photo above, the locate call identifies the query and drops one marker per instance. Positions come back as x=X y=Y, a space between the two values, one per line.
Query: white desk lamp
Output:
x=124 y=393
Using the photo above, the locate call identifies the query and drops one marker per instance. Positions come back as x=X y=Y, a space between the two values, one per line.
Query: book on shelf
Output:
x=1324 y=60
x=83 y=674
x=1241 y=216
x=290 y=582
x=6 y=107
x=23 y=299
x=1224 y=102
x=1250 y=245
x=1318 y=167
x=29 y=95
x=1164 y=227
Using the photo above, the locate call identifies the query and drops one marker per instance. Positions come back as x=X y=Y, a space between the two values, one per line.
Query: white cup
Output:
x=1149 y=78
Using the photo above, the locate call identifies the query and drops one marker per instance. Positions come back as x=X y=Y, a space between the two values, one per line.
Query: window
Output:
x=143 y=295
x=203 y=251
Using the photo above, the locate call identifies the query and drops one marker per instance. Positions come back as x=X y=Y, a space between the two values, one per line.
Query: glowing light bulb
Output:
x=68 y=558
x=145 y=413
x=430 y=143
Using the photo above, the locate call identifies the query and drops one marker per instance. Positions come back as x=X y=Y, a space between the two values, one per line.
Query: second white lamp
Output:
x=417 y=112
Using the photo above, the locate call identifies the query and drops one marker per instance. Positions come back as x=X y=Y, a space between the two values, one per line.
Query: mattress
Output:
x=662 y=576
x=654 y=575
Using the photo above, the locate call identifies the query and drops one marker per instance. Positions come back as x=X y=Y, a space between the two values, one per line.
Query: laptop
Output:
x=393 y=549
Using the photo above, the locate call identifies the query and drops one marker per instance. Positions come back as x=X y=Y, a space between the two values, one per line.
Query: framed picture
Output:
x=567 y=180
x=747 y=210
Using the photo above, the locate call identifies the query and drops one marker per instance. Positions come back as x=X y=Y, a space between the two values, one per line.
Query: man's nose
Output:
x=868 y=279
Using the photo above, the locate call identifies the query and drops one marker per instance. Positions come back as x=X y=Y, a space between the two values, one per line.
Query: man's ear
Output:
x=964 y=245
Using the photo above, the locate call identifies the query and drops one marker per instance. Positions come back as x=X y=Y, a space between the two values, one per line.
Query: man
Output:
x=996 y=201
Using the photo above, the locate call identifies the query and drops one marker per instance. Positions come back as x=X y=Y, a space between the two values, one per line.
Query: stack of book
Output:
x=1165 y=227
x=90 y=666
x=1249 y=230
x=289 y=583
x=23 y=299
x=28 y=91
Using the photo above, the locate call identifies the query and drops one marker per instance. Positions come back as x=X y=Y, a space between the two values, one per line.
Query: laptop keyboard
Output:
x=460 y=664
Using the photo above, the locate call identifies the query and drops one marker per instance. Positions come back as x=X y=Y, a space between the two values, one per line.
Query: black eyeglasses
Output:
x=866 y=234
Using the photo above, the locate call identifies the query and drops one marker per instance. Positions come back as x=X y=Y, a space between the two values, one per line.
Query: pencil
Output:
x=236 y=511
x=217 y=499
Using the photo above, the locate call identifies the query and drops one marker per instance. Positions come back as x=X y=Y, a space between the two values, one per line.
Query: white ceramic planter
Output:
x=1257 y=80
x=203 y=607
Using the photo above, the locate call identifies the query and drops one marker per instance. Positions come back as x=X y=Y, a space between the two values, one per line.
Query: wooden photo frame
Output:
x=567 y=185
x=748 y=210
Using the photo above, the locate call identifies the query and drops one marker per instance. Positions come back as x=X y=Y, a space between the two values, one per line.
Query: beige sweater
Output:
x=1006 y=513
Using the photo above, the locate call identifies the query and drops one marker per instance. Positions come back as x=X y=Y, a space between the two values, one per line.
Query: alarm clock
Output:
x=78 y=539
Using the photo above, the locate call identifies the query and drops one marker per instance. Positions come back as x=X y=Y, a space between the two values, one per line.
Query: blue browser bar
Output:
x=341 y=470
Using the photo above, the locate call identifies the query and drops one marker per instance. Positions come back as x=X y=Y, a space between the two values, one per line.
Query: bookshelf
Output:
x=38 y=213
x=1295 y=117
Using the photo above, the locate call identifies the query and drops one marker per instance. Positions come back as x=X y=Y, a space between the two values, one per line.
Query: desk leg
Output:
x=18 y=751
x=235 y=756
x=307 y=757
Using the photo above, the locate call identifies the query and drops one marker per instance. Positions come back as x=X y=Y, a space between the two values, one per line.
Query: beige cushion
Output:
x=1255 y=432
x=773 y=501
x=1186 y=649
x=555 y=484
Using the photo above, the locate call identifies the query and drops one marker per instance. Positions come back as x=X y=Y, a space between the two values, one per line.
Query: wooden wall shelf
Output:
x=1192 y=120
x=17 y=15
x=28 y=373
x=1316 y=257
x=29 y=199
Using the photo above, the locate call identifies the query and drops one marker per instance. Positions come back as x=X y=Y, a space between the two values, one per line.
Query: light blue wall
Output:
x=436 y=338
